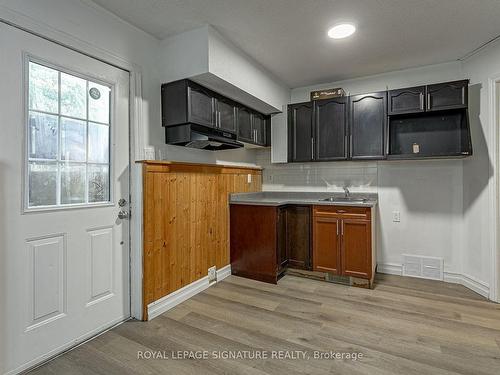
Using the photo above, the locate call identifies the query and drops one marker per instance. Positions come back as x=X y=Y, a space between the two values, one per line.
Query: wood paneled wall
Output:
x=186 y=222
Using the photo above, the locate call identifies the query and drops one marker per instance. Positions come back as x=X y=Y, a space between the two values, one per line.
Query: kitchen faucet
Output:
x=346 y=191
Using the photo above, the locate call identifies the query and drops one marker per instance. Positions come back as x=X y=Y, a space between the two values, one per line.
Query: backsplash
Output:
x=358 y=176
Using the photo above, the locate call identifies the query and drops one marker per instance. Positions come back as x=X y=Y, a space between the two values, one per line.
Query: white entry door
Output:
x=64 y=178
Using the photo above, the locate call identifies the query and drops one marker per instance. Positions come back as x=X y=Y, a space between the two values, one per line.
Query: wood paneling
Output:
x=186 y=224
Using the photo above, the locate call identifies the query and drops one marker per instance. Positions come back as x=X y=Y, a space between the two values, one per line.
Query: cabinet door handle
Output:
x=218 y=118
x=312 y=148
x=428 y=100
x=338 y=228
x=422 y=101
x=341 y=211
x=342 y=229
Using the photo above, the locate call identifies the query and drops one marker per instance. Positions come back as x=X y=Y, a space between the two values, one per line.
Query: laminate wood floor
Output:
x=403 y=326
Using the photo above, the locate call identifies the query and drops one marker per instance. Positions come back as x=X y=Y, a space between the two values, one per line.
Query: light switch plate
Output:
x=396 y=216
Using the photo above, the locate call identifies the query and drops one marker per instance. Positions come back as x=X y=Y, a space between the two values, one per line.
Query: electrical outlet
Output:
x=212 y=274
x=396 y=216
x=149 y=153
x=249 y=178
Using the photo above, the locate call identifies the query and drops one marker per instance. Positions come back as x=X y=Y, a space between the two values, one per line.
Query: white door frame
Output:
x=136 y=128
x=494 y=190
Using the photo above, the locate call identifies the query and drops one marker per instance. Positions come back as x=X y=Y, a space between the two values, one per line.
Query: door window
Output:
x=68 y=139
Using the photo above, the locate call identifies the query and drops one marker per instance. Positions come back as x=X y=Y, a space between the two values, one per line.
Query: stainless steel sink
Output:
x=344 y=199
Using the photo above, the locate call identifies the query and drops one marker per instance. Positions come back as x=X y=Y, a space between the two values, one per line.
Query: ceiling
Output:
x=288 y=37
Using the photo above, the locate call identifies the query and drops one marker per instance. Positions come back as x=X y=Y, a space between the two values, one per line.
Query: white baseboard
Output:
x=390 y=268
x=173 y=299
x=470 y=282
x=223 y=273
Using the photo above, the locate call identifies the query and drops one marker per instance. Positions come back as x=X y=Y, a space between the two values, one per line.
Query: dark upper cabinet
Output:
x=200 y=106
x=330 y=129
x=449 y=95
x=225 y=112
x=245 y=131
x=408 y=100
x=252 y=127
x=368 y=119
x=300 y=132
x=441 y=131
x=186 y=102
x=259 y=128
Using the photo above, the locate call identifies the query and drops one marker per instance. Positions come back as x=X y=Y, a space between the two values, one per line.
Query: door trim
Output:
x=494 y=189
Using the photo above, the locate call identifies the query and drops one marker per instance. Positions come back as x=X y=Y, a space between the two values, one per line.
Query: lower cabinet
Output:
x=254 y=242
x=343 y=241
x=267 y=240
x=326 y=244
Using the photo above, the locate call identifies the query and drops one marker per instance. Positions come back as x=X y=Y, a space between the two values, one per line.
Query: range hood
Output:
x=201 y=137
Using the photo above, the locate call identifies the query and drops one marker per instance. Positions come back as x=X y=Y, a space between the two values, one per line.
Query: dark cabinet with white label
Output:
x=440 y=130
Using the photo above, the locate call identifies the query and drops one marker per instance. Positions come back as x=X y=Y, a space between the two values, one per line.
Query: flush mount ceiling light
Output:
x=341 y=31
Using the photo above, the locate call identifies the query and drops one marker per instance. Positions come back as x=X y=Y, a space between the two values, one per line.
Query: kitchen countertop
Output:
x=281 y=198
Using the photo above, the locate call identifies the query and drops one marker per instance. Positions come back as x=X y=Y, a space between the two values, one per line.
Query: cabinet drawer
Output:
x=342 y=211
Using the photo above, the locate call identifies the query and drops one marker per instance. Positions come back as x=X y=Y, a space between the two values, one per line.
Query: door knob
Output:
x=123 y=214
x=122 y=202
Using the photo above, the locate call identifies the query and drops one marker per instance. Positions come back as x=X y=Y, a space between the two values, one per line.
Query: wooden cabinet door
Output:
x=409 y=100
x=368 y=118
x=245 y=131
x=200 y=106
x=449 y=95
x=259 y=128
x=300 y=132
x=356 y=248
x=298 y=219
x=330 y=129
x=282 y=252
x=226 y=115
x=326 y=244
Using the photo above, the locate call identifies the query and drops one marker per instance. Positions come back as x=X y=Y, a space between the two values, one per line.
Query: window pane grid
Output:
x=68 y=171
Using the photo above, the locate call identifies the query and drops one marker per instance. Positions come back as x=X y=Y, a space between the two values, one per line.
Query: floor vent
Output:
x=423 y=266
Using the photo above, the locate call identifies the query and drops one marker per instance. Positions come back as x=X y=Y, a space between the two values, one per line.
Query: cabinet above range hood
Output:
x=197 y=117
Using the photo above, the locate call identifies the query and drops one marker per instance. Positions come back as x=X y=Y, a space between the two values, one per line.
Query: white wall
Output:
x=479 y=170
